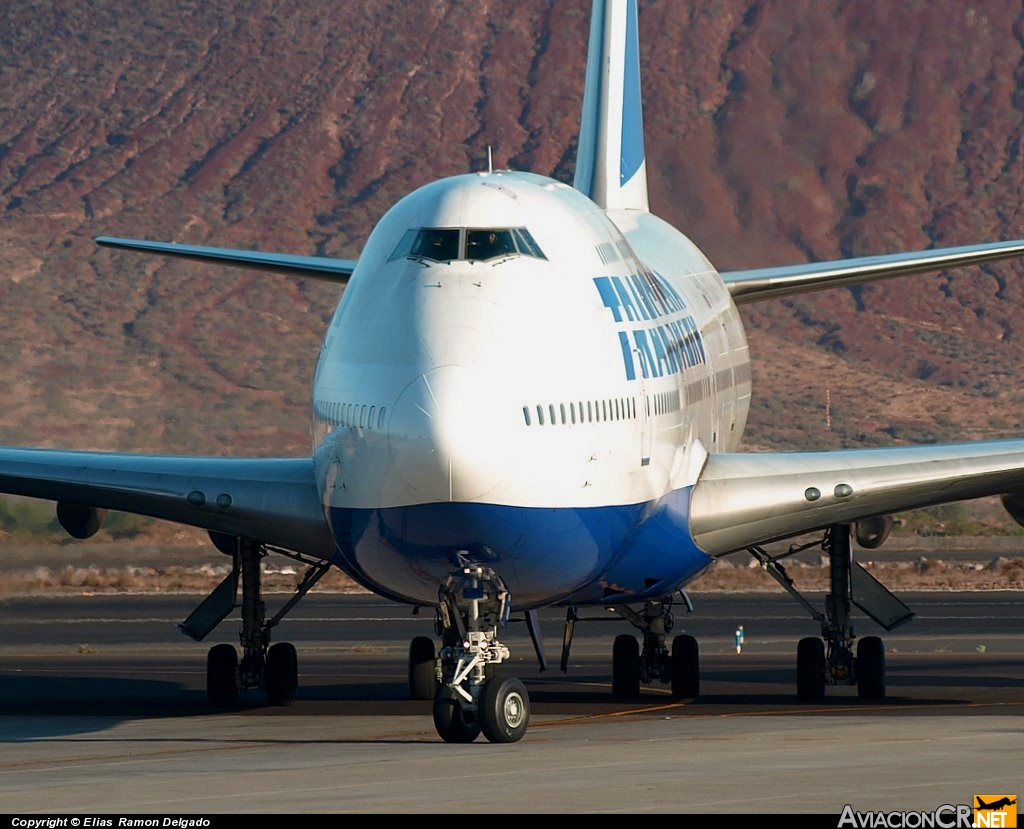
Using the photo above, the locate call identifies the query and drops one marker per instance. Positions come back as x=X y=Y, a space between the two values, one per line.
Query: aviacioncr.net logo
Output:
x=995 y=811
x=946 y=816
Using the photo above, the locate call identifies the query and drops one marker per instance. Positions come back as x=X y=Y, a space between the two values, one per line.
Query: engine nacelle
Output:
x=872 y=532
x=1013 y=503
x=225 y=543
x=79 y=520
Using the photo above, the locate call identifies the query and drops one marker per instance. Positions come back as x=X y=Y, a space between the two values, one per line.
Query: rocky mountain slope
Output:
x=777 y=132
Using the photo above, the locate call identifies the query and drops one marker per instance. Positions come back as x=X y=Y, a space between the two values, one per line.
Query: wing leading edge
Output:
x=770 y=283
x=315 y=267
x=745 y=499
x=273 y=500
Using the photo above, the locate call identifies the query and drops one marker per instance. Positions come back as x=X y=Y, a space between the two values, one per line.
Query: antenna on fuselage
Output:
x=490 y=161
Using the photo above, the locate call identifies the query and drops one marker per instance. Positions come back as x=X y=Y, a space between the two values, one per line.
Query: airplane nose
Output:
x=443 y=435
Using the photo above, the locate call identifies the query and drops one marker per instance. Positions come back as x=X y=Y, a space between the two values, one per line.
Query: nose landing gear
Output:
x=473 y=603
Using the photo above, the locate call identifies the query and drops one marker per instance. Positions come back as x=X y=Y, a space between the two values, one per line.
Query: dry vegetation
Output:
x=90 y=579
x=110 y=568
x=923 y=574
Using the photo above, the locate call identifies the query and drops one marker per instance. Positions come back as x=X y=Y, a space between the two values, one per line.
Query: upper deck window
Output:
x=445 y=244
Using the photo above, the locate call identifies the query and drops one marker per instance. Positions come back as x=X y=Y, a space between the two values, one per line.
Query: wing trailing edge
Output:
x=771 y=283
x=272 y=500
x=744 y=499
x=315 y=267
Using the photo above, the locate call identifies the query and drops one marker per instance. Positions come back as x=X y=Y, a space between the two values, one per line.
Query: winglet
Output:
x=611 y=166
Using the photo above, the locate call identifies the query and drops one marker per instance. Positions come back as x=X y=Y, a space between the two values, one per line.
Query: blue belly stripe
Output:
x=581 y=555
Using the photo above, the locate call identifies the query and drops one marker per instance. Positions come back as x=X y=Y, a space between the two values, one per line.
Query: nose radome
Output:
x=449 y=434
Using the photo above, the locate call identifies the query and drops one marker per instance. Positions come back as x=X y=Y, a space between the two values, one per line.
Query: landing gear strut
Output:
x=655 y=662
x=273 y=668
x=473 y=603
x=830 y=660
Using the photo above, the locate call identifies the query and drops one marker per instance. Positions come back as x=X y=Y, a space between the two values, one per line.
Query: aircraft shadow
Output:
x=41 y=705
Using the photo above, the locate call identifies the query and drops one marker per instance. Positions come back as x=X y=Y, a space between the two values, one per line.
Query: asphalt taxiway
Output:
x=102 y=708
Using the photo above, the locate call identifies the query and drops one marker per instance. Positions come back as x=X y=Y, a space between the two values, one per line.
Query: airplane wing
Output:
x=316 y=267
x=770 y=283
x=744 y=499
x=272 y=500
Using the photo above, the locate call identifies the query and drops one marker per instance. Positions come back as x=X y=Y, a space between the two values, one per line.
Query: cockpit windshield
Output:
x=486 y=244
x=446 y=244
x=441 y=244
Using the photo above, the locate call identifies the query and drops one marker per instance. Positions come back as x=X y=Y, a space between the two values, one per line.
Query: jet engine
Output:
x=872 y=532
x=79 y=520
x=1013 y=503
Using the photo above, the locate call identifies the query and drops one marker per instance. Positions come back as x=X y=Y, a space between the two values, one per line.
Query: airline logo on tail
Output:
x=995 y=810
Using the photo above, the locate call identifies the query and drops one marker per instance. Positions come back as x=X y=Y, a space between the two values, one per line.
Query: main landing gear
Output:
x=469 y=698
x=830 y=660
x=654 y=662
x=631 y=665
x=272 y=668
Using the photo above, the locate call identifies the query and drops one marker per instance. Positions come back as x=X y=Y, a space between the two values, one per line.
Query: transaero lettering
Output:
x=944 y=817
x=672 y=344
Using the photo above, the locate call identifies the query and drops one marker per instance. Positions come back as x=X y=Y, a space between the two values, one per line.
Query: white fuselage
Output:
x=594 y=371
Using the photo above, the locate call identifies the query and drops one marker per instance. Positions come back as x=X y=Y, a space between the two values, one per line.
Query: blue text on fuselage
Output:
x=672 y=344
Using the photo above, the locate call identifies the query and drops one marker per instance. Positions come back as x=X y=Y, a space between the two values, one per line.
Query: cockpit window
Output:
x=445 y=244
x=437 y=243
x=527 y=246
x=487 y=244
x=404 y=246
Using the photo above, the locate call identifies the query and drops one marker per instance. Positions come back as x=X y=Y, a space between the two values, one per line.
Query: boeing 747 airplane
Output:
x=462 y=463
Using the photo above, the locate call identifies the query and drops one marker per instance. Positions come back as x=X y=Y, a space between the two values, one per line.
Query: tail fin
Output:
x=611 y=166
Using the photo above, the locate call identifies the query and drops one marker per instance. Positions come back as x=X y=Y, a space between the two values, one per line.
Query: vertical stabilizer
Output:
x=611 y=166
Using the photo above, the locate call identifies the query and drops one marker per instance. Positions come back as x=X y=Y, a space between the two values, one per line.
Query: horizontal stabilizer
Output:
x=770 y=283
x=315 y=267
